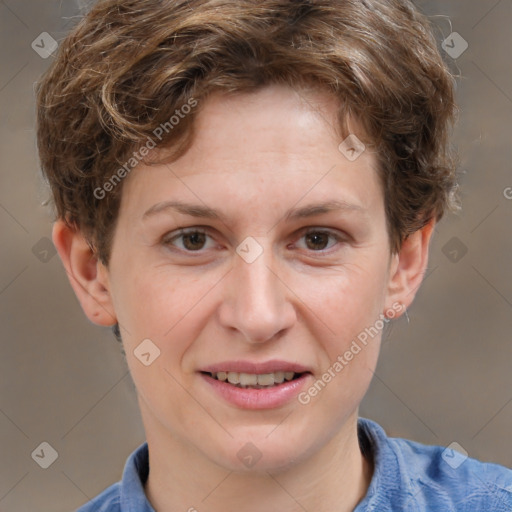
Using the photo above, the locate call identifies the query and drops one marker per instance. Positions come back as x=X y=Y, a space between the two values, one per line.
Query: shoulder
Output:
x=108 y=501
x=128 y=494
x=435 y=477
x=460 y=481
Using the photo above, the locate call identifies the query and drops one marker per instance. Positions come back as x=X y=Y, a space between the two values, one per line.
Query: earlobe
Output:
x=408 y=268
x=88 y=276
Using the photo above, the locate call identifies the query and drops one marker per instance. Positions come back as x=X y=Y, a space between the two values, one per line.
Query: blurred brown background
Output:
x=443 y=377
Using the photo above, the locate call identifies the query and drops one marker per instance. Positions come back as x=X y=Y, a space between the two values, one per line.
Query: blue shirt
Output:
x=407 y=476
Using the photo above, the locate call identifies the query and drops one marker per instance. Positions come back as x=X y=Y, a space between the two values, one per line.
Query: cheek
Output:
x=152 y=300
x=167 y=306
x=347 y=302
x=348 y=334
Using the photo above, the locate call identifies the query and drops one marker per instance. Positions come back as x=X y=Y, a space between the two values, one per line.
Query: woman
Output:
x=246 y=192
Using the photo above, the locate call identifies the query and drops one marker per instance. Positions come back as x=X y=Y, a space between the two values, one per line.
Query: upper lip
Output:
x=254 y=367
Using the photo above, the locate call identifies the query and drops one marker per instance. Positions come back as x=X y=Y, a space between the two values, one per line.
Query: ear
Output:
x=88 y=276
x=407 y=269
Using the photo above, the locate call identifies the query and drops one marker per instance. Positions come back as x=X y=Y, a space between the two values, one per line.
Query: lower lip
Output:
x=265 y=398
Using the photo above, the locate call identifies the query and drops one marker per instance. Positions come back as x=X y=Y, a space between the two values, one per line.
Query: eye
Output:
x=196 y=240
x=318 y=240
x=192 y=240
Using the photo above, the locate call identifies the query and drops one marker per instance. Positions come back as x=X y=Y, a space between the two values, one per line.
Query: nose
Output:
x=257 y=300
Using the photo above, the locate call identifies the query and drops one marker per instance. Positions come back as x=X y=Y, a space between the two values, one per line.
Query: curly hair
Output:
x=129 y=66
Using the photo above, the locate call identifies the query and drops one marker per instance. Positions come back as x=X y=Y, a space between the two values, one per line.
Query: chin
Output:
x=251 y=454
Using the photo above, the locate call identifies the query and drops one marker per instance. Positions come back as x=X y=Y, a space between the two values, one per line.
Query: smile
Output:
x=255 y=381
x=256 y=391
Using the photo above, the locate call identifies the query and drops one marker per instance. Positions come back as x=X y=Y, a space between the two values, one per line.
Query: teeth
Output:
x=267 y=379
x=254 y=380
x=234 y=378
x=279 y=377
x=248 y=379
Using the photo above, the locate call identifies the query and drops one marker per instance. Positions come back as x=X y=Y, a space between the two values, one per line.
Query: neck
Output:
x=335 y=477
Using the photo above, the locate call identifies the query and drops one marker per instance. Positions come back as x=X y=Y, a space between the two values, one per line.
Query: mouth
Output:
x=254 y=380
x=256 y=385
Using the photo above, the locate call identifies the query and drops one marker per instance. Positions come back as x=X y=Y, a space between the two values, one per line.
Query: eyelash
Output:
x=168 y=239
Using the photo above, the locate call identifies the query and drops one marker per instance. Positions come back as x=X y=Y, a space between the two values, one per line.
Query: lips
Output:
x=252 y=385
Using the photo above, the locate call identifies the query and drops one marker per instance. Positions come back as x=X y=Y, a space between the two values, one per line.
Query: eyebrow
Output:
x=201 y=211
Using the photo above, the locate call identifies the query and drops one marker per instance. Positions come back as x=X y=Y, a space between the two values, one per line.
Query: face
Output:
x=262 y=250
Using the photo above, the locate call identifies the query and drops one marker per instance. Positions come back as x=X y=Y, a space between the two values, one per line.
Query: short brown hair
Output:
x=129 y=65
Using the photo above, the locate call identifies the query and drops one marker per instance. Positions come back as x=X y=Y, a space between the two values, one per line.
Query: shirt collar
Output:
x=135 y=475
x=391 y=482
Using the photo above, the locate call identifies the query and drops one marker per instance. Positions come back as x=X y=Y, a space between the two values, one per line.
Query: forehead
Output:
x=259 y=148
x=275 y=124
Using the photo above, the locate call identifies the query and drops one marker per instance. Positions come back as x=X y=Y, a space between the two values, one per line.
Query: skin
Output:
x=255 y=156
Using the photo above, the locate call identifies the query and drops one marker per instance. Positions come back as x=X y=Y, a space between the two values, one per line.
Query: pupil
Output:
x=318 y=238
x=197 y=240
